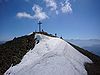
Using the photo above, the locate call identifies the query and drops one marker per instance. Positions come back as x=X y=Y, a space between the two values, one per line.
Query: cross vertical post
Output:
x=39 y=26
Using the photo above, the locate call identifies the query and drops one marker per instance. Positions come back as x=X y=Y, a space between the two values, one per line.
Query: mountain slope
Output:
x=51 y=56
x=12 y=51
x=92 y=68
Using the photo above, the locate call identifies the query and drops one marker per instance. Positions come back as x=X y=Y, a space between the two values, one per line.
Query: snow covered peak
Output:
x=51 y=56
x=41 y=37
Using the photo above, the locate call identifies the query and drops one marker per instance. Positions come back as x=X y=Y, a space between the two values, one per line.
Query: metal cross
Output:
x=39 y=26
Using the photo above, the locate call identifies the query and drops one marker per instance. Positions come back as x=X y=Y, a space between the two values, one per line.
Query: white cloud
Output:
x=52 y=4
x=24 y=15
x=66 y=7
x=39 y=14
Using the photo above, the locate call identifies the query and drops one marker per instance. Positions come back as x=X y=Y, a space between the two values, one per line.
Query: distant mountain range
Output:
x=1 y=42
x=93 y=45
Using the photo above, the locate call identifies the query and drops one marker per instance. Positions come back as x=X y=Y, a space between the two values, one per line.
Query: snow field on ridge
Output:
x=51 y=56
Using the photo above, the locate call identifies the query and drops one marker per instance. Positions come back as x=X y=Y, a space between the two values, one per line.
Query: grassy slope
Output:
x=12 y=51
x=92 y=68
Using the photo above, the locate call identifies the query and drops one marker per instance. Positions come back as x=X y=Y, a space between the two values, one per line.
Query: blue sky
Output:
x=83 y=22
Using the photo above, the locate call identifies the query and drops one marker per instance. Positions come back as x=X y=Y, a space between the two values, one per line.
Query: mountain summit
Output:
x=51 y=56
